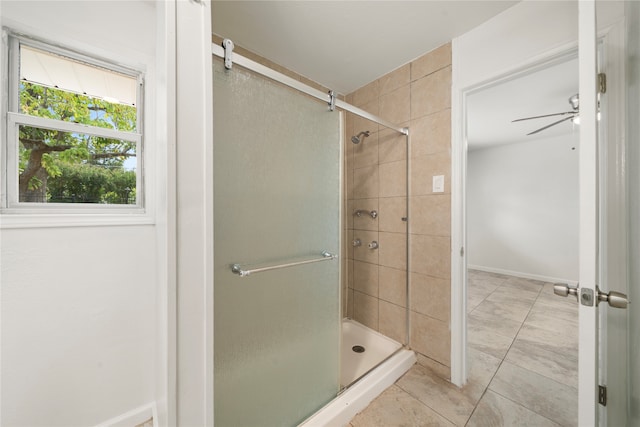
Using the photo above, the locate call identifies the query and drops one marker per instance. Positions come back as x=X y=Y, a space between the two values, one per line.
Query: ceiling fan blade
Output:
x=552 y=124
x=543 y=116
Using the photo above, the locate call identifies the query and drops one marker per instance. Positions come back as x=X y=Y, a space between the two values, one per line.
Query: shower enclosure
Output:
x=281 y=266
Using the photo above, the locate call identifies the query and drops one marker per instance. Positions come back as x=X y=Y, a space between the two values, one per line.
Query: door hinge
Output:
x=602 y=83
x=602 y=395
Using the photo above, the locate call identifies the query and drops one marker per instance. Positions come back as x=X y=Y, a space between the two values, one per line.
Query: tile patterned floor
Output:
x=523 y=353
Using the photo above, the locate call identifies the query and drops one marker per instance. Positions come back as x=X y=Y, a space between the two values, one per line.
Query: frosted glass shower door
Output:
x=276 y=201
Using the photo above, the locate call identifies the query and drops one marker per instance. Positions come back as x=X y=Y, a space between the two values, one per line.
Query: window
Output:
x=73 y=131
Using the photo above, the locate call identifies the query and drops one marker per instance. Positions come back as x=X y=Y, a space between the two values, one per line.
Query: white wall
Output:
x=522 y=208
x=79 y=304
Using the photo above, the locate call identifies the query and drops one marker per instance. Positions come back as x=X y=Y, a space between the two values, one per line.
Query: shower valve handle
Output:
x=374 y=245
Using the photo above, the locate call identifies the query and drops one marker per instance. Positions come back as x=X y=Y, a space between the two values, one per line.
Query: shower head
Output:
x=356 y=139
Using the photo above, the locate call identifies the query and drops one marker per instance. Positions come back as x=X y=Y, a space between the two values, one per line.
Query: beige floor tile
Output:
x=564 y=313
x=436 y=368
x=474 y=301
x=483 y=283
x=487 y=341
x=551 y=321
x=564 y=343
x=498 y=325
x=513 y=310
x=440 y=395
x=520 y=298
x=508 y=293
x=540 y=394
x=561 y=368
x=497 y=411
x=524 y=284
x=482 y=367
x=535 y=384
x=395 y=407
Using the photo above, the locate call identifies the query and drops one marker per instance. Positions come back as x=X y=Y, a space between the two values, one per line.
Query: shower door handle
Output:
x=237 y=268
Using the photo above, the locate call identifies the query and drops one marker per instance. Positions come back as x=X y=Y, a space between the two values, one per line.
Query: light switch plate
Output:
x=438 y=184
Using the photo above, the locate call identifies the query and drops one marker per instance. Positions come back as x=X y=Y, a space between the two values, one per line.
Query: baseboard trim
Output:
x=134 y=417
x=523 y=275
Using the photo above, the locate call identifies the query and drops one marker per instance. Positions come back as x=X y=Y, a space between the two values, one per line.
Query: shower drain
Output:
x=358 y=348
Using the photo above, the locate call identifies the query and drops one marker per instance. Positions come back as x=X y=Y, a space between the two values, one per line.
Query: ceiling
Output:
x=344 y=45
x=490 y=111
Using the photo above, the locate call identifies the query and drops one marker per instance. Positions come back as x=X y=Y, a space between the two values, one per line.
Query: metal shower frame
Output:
x=225 y=51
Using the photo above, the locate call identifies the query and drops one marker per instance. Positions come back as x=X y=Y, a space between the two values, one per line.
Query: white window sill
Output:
x=13 y=219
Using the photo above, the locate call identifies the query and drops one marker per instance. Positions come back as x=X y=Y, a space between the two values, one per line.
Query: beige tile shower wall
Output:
x=417 y=95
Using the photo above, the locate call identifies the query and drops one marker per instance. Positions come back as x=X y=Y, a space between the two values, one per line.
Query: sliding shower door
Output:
x=276 y=284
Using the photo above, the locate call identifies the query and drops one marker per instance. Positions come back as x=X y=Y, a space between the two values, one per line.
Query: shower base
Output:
x=357 y=366
x=362 y=349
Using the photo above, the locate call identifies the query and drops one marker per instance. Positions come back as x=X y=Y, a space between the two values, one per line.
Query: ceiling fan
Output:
x=575 y=105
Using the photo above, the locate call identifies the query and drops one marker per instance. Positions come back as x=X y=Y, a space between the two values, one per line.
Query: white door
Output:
x=588 y=293
x=588 y=266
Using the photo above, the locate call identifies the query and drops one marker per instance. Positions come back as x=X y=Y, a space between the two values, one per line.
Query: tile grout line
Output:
x=499 y=365
x=505 y=354
x=504 y=360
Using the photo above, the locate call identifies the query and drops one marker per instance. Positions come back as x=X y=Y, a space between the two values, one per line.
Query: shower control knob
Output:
x=373 y=245
x=356 y=242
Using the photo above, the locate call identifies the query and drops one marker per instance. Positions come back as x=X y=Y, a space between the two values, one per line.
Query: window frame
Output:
x=12 y=119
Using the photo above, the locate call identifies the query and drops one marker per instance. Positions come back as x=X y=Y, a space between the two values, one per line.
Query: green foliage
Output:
x=67 y=158
x=53 y=103
x=83 y=183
